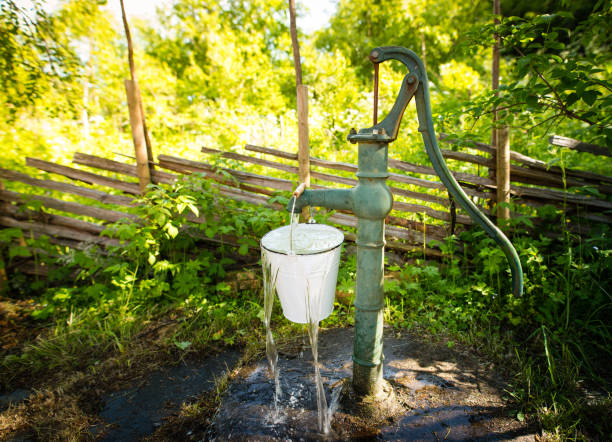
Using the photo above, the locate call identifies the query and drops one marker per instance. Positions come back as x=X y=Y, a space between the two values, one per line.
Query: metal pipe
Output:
x=375 y=115
x=371 y=202
x=336 y=199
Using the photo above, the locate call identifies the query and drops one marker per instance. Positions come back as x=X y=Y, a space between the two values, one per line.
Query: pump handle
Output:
x=417 y=70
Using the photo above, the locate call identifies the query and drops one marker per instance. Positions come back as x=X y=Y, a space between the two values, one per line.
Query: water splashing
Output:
x=323 y=415
x=271 y=352
x=334 y=403
x=299 y=260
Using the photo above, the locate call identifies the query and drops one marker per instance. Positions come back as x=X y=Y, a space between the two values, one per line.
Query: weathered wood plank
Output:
x=459 y=176
x=94 y=194
x=52 y=219
x=393 y=164
x=537 y=176
x=436 y=214
x=67 y=206
x=557 y=140
x=558 y=196
x=58 y=231
x=80 y=175
x=329 y=177
x=345 y=219
x=397 y=205
x=537 y=164
x=184 y=166
x=122 y=168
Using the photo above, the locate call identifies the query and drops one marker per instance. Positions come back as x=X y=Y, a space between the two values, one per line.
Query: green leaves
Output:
x=554 y=79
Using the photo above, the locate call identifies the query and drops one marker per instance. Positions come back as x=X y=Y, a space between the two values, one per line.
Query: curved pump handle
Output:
x=416 y=84
x=387 y=130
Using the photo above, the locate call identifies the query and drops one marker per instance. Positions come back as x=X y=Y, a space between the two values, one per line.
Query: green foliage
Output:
x=557 y=333
x=360 y=26
x=32 y=58
x=559 y=74
x=221 y=74
x=159 y=265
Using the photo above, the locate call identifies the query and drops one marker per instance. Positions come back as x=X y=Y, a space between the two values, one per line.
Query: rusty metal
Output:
x=375 y=117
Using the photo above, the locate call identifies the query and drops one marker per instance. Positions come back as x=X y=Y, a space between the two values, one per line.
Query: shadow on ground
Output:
x=435 y=393
x=443 y=394
x=138 y=411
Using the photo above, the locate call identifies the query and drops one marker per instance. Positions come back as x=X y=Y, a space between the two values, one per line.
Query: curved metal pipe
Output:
x=416 y=67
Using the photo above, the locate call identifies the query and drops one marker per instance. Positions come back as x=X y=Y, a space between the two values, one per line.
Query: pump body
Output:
x=371 y=202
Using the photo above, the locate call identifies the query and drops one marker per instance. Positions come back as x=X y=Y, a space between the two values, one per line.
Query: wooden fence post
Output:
x=495 y=82
x=303 y=146
x=136 y=123
x=502 y=144
x=302 y=107
x=140 y=135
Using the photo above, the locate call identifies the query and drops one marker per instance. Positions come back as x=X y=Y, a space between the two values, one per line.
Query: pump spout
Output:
x=338 y=199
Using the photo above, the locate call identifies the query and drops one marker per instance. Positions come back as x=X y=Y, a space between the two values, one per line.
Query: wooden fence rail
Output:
x=403 y=232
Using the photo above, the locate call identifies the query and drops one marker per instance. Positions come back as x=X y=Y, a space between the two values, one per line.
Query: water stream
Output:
x=324 y=413
x=324 y=419
x=271 y=352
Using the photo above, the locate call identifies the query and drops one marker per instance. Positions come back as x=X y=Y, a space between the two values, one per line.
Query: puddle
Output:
x=450 y=423
x=249 y=402
x=138 y=411
x=13 y=398
x=438 y=398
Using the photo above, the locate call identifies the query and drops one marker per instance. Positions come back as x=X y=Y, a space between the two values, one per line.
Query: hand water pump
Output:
x=371 y=202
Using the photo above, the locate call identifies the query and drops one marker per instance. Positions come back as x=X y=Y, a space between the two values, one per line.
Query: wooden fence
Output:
x=411 y=227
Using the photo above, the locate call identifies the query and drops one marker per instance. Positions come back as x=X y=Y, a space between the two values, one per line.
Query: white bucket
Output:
x=307 y=273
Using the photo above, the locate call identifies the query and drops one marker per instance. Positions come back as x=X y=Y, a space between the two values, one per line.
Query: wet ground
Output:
x=138 y=411
x=433 y=393
x=437 y=394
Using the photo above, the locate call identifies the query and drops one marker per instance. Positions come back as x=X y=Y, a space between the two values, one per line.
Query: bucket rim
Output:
x=318 y=252
x=303 y=254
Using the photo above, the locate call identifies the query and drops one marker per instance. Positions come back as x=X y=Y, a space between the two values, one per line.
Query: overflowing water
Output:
x=271 y=352
x=305 y=242
x=323 y=416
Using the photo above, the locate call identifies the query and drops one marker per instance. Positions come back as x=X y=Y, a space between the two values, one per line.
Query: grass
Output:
x=161 y=297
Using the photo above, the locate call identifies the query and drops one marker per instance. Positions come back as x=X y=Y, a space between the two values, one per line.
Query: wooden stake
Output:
x=303 y=147
x=495 y=78
x=503 y=172
x=302 y=107
x=295 y=44
x=128 y=37
x=140 y=147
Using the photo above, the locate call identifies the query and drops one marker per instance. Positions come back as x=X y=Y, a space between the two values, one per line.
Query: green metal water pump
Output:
x=371 y=202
